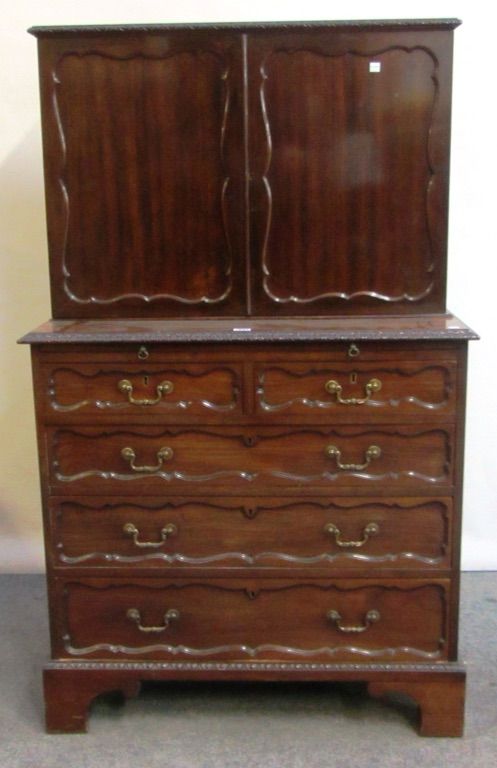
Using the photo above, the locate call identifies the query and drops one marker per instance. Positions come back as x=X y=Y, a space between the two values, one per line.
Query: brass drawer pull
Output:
x=164 y=388
x=373 y=452
x=371 y=529
x=131 y=530
x=334 y=388
x=370 y=618
x=163 y=454
x=133 y=614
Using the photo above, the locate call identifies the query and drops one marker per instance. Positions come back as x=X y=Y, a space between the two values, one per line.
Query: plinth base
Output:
x=438 y=689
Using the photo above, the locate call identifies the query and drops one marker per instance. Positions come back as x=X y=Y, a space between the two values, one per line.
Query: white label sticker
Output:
x=375 y=66
x=244 y=330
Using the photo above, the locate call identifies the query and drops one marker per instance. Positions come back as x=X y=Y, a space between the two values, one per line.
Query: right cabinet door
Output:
x=348 y=163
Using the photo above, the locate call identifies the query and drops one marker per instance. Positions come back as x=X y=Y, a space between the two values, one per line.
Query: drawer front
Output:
x=147 y=460
x=271 y=619
x=355 y=392
x=168 y=392
x=263 y=353
x=259 y=532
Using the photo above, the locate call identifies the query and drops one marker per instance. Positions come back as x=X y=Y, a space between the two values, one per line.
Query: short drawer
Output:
x=141 y=460
x=356 y=391
x=148 y=392
x=267 y=619
x=259 y=532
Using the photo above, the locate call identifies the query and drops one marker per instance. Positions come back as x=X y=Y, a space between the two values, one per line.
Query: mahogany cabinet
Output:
x=250 y=399
x=263 y=170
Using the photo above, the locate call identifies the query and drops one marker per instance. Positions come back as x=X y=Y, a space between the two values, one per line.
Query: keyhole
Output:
x=145 y=381
x=353 y=378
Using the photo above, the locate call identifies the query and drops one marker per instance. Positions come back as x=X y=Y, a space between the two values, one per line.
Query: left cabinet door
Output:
x=144 y=174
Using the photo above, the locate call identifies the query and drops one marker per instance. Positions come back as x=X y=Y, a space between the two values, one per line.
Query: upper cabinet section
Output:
x=253 y=169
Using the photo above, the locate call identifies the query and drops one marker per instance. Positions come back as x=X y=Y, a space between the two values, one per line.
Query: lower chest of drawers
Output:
x=233 y=504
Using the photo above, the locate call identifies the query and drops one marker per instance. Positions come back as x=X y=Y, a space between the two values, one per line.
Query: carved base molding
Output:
x=438 y=689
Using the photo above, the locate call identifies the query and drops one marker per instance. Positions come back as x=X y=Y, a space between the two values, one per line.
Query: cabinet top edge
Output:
x=419 y=328
x=247 y=26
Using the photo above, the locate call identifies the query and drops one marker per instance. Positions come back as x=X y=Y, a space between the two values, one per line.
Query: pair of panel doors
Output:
x=223 y=172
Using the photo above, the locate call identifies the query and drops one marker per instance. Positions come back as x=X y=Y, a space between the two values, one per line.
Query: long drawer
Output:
x=360 y=534
x=141 y=460
x=265 y=619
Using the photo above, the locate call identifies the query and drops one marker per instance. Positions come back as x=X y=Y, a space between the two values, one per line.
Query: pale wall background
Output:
x=24 y=298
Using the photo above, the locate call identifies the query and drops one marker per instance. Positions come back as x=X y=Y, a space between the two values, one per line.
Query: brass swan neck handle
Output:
x=334 y=388
x=134 y=615
x=163 y=454
x=371 y=617
x=373 y=452
x=371 y=529
x=131 y=530
x=164 y=388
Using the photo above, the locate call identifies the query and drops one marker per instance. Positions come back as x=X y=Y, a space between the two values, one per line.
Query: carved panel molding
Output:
x=91 y=382
x=278 y=161
x=338 y=645
x=236 y=520
x=111 y=216
x=289 y=455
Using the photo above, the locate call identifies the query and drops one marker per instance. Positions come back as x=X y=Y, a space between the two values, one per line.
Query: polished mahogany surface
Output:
x=250 y=401
x=285 y=170
x=131 y=189
x=348 y=139
x=228 y=506
x=261 y=532
x=268 y=620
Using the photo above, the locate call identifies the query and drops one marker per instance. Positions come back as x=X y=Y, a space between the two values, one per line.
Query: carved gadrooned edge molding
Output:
x=167 y=405
x=396 y=24
x=56 y=82
x=264 y=177
x=329 y=370
x=148 y=331
x=258 y=666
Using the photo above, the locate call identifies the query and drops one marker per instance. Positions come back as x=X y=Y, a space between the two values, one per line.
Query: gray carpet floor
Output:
x=246 y=725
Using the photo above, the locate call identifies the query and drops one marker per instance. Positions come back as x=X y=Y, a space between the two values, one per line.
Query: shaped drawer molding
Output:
x=356 y=391
x=265 y=619
x=144 y=460
x=259 y=532
x=149 y=392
